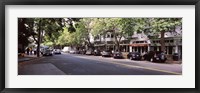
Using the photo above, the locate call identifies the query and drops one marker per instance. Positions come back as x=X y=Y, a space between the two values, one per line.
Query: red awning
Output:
x=138 y=45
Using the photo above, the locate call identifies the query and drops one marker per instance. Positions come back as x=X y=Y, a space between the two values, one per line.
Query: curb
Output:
x=29 y=59
x=174 y=62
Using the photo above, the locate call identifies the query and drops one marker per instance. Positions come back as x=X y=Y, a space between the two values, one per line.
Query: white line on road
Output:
x=133 y=66
x=147 y=68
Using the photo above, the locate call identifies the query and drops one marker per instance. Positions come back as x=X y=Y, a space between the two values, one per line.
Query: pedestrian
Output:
x=31 y=51
x=27 y=51
x=35 y=51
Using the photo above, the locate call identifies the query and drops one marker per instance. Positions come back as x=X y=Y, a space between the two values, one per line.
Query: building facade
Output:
x=140 y=42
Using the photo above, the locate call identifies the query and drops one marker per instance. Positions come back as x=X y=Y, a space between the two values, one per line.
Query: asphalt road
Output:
x=77 y=64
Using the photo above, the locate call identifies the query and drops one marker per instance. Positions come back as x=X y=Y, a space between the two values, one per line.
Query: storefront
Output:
x=141 y=48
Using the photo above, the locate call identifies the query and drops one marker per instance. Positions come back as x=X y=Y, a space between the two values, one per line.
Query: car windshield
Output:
x=48 y=50
x=137 y=53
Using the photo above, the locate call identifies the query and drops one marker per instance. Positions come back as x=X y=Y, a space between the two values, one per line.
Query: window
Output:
x=141 y=41
x=112 y=36
x=167 y=41
x=97 y=37
x=108 y=36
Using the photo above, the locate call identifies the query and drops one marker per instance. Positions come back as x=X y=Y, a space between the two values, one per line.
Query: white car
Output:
x=57 y=51
x=72 y=52
x=88 y=52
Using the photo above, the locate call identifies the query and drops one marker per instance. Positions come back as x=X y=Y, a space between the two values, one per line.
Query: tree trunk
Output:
x=23 y=48
x=118 y=47
x=104 y=38
x=38 y=43
x=162 y=41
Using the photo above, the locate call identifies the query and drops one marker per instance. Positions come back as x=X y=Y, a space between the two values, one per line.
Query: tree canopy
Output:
x=76 y=31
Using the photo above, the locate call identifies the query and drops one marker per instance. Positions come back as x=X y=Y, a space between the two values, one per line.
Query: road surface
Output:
x=77 y=64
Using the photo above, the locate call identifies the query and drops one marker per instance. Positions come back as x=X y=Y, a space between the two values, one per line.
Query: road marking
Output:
x=154 y=69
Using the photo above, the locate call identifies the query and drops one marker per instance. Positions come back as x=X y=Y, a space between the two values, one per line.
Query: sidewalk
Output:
x=39 y=69
x=171 y=61
x=27 y=67
x=27 y=57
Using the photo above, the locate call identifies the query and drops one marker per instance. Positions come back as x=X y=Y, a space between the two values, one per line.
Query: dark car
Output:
x=149 y=55
x=106 y=53
x=175 y=56
x=77 y=52
x=47 y=52
x=155 y=56
x=117 y=55
x=97 y=52
x=134 y=56
x=83 y=51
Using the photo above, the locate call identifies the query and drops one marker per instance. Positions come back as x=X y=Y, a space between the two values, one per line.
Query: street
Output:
x=77 y=64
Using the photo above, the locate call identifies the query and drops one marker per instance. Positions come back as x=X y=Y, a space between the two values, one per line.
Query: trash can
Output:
x=175 y=57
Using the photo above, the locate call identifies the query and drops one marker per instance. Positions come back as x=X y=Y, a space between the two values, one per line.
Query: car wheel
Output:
x=130 y=58
x=151 y=59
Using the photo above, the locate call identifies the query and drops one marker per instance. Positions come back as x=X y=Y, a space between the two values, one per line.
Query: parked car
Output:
x=134 y=56
x=77 y=52
x=47 y=52
x=83 y=51
x=66 y=49
x=106 y=53
x=97 y=52
x=57 y=51
x=117 y=55
x=155 y=56
x=89 y=52
x=175 y=56
x=72 y=51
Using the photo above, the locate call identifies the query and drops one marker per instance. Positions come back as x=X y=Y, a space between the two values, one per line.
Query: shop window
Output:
x=108 y=36
x=166 y=41
x=170 y=49
x=112 y=35
x=141 y=41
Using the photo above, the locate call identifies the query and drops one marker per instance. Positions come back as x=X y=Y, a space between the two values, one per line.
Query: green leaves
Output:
x=75 y=31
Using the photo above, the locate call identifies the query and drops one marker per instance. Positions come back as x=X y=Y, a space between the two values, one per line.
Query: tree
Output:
x=120 y=27
x=85 y=28
x=99 y=29
x=161 y=25
x=23 y=34
x=37 y=27
x=53 y=29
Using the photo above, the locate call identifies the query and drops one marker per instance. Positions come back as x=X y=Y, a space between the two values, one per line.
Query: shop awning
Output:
x=138 y=45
